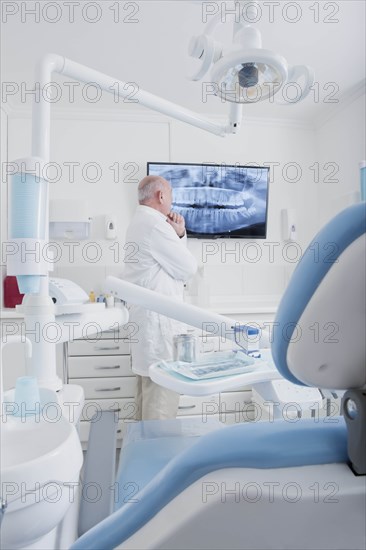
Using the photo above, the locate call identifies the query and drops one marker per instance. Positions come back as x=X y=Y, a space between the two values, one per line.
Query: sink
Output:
x=30 y=450
x=41 y=459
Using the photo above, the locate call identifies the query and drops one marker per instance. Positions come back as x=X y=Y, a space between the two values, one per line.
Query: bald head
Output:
x=155 y=191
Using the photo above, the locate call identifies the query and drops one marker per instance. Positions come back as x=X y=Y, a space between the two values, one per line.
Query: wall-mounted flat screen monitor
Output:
x=218 y=200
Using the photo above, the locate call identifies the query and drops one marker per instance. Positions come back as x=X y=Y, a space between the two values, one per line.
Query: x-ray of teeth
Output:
x=217 y=220
x=217 y=200
x=208 y=196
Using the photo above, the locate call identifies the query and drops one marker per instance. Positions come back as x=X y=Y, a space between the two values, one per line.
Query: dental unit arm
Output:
x=29 y=197
x=29 y=214
x=29 y=189
x=63 y=66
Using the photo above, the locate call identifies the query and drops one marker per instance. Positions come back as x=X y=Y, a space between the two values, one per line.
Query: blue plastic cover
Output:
x=320 y=256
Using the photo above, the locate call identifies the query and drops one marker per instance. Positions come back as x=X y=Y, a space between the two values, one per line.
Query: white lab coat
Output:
x=156 y=258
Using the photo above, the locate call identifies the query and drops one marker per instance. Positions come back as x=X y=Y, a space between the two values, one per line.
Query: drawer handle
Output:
x=108 y=389
x=187 y=407
x=107 y=368
x=106 y=348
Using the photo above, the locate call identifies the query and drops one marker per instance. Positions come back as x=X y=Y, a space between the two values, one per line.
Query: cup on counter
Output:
x=27 y=396
x=185 y=348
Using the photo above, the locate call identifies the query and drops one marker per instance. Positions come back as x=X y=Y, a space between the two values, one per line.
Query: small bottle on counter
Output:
x=92 y=296
x=109 y=300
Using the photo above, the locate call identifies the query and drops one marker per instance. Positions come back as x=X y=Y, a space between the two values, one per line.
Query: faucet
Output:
x=28 y=353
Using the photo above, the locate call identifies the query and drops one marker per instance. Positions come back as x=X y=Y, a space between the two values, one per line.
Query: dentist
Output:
x=161 y=262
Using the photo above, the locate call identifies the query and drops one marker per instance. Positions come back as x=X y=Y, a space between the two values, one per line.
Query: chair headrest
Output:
x=319 y=331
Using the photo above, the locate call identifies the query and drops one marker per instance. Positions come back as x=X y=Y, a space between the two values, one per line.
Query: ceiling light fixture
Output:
x=247 y=73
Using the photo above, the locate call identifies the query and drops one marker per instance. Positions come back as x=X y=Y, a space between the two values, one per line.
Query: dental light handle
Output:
x=206 y=321
x=28 y=353
x=293 y=86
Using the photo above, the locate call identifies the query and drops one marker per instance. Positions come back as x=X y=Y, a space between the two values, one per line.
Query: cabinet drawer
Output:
x=107 y=388
x=235 y=401
x=101 y=347
x=207 y=405
x=129 y=332
x=103 y=366
x=124 y=408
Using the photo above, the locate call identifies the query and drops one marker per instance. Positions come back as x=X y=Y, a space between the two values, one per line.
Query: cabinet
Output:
x=102 y=367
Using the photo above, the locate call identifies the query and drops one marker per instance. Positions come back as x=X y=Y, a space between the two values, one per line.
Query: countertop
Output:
x=225 y=308
x=10 y=313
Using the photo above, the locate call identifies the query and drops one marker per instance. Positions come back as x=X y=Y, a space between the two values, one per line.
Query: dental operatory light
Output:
x=247 y=73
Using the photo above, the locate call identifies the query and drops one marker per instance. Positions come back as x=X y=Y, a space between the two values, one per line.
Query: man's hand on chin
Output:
x=177 y=222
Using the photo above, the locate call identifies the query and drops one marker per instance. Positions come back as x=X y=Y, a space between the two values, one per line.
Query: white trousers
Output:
x=153 y=401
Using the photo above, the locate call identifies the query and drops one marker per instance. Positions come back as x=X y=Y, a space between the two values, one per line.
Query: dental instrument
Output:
x=226 y=364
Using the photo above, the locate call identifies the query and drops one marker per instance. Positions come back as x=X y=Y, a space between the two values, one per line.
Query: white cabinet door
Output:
x=124 y=407
x=101 y=347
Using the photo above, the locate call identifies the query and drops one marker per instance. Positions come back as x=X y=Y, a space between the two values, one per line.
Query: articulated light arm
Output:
x=59 y=64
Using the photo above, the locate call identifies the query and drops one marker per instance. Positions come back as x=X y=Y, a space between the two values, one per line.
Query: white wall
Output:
x=341 y=141
x=3 y=191
x=236 y=271
x=250 y=274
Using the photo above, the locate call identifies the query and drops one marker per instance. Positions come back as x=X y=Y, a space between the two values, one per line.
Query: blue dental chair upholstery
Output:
x=330 y=275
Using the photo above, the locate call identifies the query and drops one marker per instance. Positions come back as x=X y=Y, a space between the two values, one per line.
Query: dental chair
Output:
x=286 y=484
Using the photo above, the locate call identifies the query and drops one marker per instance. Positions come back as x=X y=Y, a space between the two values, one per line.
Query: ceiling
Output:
x=147 y=45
